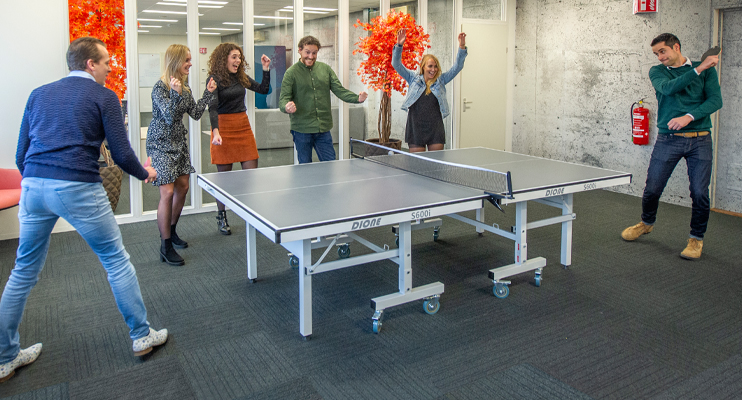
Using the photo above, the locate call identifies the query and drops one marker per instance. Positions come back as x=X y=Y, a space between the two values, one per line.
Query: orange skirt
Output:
x=238 y=141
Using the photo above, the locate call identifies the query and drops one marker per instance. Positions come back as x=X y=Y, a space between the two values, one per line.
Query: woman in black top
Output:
x=232 y=139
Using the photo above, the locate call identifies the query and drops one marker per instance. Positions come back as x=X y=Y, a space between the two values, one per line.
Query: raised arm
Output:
x=198 y=107
x=458 y=65
x=712 y=93
x=406 y=74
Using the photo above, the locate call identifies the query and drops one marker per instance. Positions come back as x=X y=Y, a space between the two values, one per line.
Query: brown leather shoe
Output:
x=633 y=232
x=693 y=249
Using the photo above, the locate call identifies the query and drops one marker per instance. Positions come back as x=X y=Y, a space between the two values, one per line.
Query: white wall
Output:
x=33 y=45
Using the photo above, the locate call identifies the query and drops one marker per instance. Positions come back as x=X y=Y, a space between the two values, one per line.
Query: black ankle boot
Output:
x=221 y=223
x=168 y=254
x=177 y=242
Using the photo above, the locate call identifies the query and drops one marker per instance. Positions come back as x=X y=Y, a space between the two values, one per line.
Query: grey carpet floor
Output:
x=625 y=321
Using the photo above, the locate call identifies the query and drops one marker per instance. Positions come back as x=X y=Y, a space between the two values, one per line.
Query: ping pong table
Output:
x=326 y=205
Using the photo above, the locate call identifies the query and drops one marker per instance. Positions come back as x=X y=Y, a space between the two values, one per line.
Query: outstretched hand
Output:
x=401 y=36
x=266 y=62
x=462 y=40
x=362 y=97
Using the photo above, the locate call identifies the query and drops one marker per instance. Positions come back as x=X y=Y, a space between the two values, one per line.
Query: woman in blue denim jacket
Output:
x=425 y=113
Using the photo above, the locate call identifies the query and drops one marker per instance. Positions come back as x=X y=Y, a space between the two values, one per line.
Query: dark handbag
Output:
x=112 y=176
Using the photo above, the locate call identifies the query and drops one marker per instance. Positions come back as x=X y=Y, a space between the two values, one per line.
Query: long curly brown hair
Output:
x=218 y=65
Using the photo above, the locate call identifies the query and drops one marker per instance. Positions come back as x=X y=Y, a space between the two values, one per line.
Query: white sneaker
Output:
x=25 y=357
x=144 y=345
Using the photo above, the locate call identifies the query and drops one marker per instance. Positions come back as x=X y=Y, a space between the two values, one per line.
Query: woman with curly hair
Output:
x=167 y=144
x=232 y=139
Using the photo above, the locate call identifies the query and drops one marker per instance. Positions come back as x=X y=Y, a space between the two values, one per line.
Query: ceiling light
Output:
x=258 y=24
x=142 y=31
x=209 y=33
x=165 y=12
x=201 y=2
x=222 y=29
x=305 y=11
x=157 y=20
x=232 y=23
x=184 y=5
x=268 y=17
x=313 y=8
x=150 y=26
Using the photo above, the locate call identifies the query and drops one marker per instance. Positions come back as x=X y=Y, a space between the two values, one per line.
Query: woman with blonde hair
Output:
x=425 y=113
x=232 y=139
x=167 y=144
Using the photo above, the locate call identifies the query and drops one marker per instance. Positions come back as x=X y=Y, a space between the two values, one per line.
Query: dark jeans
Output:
x=698 y=154
x=321 y=142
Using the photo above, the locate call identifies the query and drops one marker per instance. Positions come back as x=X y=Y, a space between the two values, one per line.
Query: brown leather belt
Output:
x=692 y=134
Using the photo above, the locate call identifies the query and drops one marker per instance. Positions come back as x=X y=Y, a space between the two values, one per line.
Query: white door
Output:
x=483 y=99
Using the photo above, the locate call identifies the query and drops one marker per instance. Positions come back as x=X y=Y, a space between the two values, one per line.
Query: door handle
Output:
x=465 y=104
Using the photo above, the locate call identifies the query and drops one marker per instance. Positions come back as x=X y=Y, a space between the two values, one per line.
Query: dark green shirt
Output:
x=682 y=91
x=309 y=89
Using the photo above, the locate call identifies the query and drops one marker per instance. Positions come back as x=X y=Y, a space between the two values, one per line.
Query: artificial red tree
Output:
x=103 y=19
x=376 y=71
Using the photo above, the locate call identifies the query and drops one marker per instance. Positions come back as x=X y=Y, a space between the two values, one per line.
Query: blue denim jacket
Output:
x=417 y=83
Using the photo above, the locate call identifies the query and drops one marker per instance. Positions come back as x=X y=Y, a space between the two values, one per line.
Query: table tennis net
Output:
x=492 y=182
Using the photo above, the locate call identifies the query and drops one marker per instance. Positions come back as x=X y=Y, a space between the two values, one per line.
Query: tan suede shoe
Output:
x=633 y=232
x=693 y=249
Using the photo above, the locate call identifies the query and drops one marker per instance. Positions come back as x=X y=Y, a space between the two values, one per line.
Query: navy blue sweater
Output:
x=63 y=126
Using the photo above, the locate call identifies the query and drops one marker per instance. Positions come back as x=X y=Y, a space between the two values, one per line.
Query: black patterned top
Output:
x=167 y=136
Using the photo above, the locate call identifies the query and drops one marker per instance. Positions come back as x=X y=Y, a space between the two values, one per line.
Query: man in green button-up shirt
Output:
x=305 y=96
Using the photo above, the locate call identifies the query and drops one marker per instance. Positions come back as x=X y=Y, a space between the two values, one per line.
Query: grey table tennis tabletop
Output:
x=300 y=196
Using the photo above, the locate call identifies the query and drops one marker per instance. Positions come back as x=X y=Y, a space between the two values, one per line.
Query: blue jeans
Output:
x=86 y=207
x=698 y=154
x=321 y=142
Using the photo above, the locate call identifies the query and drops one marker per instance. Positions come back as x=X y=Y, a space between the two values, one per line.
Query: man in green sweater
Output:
x=305 y=96
x=687 y=94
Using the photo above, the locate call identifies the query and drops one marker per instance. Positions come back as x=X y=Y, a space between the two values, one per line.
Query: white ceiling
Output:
x=232 y=12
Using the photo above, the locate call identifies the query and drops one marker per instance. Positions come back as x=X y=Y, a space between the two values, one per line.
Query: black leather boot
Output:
x=177 y=242
x=168 y=254
x=221 y=223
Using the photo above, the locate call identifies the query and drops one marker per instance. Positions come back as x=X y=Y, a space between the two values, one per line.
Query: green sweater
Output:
x=681 y=91
x=309 y=89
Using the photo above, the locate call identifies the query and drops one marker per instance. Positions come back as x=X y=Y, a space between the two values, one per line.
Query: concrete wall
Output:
x=580 y=64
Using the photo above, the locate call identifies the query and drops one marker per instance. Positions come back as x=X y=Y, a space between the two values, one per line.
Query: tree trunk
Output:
x=384 y=124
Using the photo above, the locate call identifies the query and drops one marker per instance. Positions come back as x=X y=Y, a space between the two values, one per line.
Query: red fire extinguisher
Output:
x=640 y=123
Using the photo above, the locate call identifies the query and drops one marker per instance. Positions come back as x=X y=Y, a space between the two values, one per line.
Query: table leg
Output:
x=252 y=259
x=567 y=207
x=521 y=221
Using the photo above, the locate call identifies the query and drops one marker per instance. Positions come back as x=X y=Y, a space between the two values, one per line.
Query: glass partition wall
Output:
x=161 y=23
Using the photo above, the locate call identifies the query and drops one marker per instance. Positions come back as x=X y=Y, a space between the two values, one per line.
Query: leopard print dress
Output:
x=167 y=136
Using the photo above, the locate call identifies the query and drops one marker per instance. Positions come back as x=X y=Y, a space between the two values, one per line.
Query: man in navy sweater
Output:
x=687 y=94
x=63 y=126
